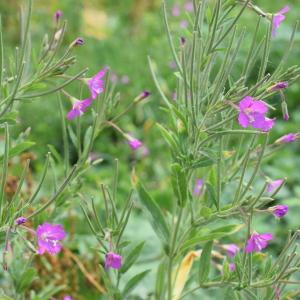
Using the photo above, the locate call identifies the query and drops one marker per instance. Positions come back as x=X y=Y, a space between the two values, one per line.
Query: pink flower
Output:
x=274 y=185
x=184 y=24
x=252 y=113
x=58 y=14
x=79 y=107
x=232 y=249
x=278 y=86
x=20 y=221
x=134 y=143
x=232 y=267
x=79 y=41
x=189 y=7
x=279 y=211
x=48 y=237
x=176 y=10
x=288 y=138
x=113 y=260
x=67 y=297
x=257 y=242
x=96 y=84
x=198 y=188
x=143 y=95
x=278 y=18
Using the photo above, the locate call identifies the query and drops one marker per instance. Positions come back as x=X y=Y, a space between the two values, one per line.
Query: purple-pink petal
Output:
x=257 y=242
x=274 y=185
x=279 y=86
x=198 y=188
x=48 y=237
x=232 y=267
x=232 y=250
x=134 y=143
x=188 y=6
x=284 y=10
x=243 y=120
x=184 y=24
x=20 y=221
x=78 y=108
x=278 y=18
x=279 y=211
x=259 y=106
x=246 y=102
x=96 y=84
x=288 y=138
x=175 y=10
x=113 y=260
x=58 y=14
x=261 y=122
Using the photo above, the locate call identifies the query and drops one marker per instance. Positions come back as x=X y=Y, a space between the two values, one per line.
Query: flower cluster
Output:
x=177 y=10
x=96 y=87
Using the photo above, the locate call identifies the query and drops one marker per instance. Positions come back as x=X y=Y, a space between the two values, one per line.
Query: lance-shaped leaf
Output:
x=16 y=150
x=133 y=282
x=132 y=256
x=179 y=183
x=205 y=262
x=156 y=216
x=26 y=279
x=207 y=236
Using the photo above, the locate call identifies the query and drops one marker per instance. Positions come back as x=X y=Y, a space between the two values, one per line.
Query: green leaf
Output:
x=73 y=136
x=54 y=153
x=133 y=255
x=9 y=118
x=26 y=279
x=205 y=212
x=111 y=290
x=133 y=282
x=205 y=162
x=87 y=139
x=169 y=138
x=205 y=262
x=156 y=216
x=160 y=280
x=226 y=270
x=211 y=195
x=179 y=183
x=14 y=151
x=204 y=237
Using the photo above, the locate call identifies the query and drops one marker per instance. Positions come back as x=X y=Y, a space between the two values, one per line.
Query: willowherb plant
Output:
x=26 y=222
x=218 y=136
x=217 y=132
